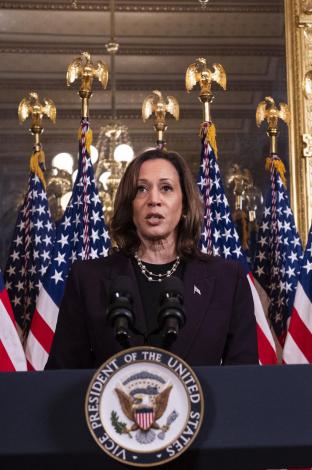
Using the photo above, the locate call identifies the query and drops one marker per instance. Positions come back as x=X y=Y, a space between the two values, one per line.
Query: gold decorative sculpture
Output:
x=83 y=69
x=30 y=106
x=156 y=104
x=200 y=73
x=267 y=110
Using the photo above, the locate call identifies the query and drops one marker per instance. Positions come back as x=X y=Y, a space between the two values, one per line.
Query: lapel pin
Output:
x=196 y=290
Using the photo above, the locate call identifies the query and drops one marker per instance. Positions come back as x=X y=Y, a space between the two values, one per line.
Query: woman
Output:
x=156 y=224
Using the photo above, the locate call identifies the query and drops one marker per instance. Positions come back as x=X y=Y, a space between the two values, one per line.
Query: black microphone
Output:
x=171 y=315
x=120 y=311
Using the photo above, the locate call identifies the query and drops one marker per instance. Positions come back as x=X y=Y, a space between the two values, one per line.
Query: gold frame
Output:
x=298 y=30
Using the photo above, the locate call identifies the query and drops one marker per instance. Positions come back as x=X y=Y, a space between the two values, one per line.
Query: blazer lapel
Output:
x=198 y=289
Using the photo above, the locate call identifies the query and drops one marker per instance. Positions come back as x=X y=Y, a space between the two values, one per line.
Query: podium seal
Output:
x=144 y=406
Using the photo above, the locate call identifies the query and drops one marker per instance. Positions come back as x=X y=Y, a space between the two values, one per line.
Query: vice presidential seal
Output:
x=144 y=406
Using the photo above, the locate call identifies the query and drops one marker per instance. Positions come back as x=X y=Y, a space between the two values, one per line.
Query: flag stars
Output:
x=227 y=234
x=95 y=235
x=95 y=216
x=63 y=240
x=41 y=210
x=11 y=271
x=226 y=251
x=57 y=276
x=47 y=240
x=293 y=257
x=16 y=301
x=262 y=241
x=19 y=285
x=67 y=222
x=308 y=267
x=15 y=255
x=60 y=258
x=238 y=251
x=259 y=271
x=93 y=253
x=18 y=240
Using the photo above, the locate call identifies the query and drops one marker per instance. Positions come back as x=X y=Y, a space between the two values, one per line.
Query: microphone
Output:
x=120 y=312
x=171 y=315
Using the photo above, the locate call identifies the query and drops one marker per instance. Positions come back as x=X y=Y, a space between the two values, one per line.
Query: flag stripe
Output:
x=301 y=335
x=6 y=365
x=265 y=340
x=292 y=353
x=45 y=304
x=303 y=306
x=12 y=356
x=41 y=331
x=36 y=356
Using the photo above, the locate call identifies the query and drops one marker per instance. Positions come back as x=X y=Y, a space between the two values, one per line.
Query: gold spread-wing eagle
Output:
x=127 y=405
x=31 y=106
x=199 y=73
x=266 y=109
x=82 y=68
x=155 y=103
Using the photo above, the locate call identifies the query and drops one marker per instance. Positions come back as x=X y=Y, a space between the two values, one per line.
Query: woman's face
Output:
x=157 y=206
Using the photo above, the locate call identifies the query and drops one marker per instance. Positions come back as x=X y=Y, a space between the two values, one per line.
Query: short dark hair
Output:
x=122 y=228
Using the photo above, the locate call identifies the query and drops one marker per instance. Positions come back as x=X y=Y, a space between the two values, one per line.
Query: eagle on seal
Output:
x=144 y=408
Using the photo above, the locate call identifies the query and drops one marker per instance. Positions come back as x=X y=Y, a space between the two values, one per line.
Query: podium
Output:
x=255 y=418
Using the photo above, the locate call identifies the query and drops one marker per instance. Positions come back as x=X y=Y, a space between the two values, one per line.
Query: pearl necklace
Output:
x=152 y=277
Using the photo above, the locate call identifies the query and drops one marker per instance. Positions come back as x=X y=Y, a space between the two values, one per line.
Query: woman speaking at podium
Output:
x=156 y=288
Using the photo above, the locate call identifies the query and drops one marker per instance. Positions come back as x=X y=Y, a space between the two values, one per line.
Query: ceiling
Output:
x=158 y=40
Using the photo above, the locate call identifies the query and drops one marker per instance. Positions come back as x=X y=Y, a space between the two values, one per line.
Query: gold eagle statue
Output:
x=267 y=109
x=200 y=73
x=132 y=405
x=83 y=68
x=31 y=106
x=155 y=103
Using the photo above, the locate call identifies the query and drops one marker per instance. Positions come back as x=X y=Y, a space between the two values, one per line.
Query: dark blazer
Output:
x=220 y=322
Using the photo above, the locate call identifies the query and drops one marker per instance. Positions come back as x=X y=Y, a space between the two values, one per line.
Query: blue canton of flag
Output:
x=279 y=253
x=219 y=236
x=81 y=234
x=30 y=248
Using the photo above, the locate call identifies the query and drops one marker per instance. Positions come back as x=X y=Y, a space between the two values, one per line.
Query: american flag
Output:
x=31 y=247
x=220 y=237
x=81 y=234
x=279 y=252
x=298 y=344
x=12 y=357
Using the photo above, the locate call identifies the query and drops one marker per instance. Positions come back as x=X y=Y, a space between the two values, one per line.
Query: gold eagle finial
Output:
x=200 y=73
x=31 y=106
x=155 y=103
x=83 y=69
x=267 y=110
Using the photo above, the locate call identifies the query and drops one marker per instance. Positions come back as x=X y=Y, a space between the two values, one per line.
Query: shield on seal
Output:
x=144 y=418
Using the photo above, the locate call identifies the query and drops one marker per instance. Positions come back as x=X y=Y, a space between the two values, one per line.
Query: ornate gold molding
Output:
x=298 y=26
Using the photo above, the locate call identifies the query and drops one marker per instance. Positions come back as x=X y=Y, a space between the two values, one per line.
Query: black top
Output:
x=150 y=295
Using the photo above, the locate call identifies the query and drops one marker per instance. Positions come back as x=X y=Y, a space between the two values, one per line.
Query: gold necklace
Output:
x=153 y=277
